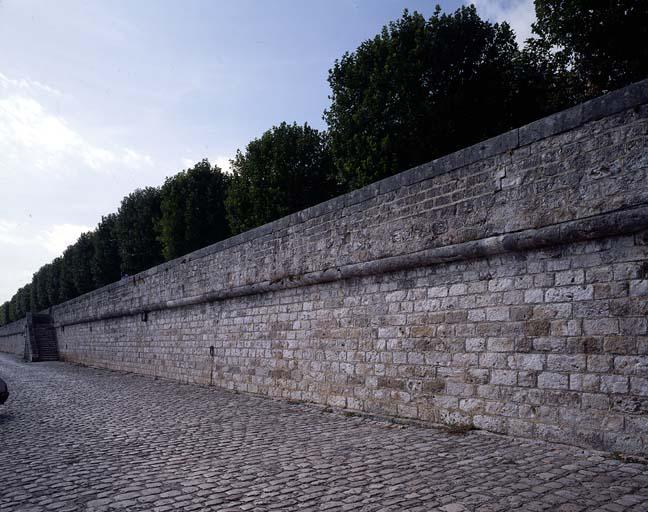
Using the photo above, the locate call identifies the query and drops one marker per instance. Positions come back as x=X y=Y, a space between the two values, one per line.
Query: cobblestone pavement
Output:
x=74 y=438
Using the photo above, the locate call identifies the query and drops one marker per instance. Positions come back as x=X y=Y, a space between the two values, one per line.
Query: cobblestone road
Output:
x=74 y=438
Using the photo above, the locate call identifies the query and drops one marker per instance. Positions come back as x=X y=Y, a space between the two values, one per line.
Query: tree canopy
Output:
x=287 y=169
x=193 y=210
x=419 y=89
x=106 y=263
x=603 y=44
x=135 y=230
x=81 y=255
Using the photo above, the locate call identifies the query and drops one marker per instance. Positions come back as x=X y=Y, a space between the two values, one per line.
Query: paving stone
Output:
x=82 y=439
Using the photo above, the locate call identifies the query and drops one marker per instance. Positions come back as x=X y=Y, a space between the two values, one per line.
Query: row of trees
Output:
x=419 y=89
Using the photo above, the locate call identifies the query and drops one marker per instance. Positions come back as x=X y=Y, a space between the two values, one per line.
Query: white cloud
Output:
x=221 y=161
x=26 y=84
x=10 y=234
x=59 y=236
x=55 y=181
x=187 y=163
x=519 y=13
x=54 y=239
x=32 y=139
x=25 y=247
x=132 y=158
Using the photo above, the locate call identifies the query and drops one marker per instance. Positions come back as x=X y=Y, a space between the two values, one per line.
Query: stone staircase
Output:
x=45 y=338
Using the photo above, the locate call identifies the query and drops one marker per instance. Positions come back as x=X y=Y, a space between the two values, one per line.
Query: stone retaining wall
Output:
x=503 y=286
x=12 y=338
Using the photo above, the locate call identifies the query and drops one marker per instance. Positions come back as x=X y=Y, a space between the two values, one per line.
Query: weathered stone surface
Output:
x=508 y=275
x=12 y=338
x=81 y=439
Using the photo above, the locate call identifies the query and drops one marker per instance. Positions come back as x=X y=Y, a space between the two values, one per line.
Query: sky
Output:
x=98 y=98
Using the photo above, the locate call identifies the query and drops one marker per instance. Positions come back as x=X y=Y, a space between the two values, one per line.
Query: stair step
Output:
x=45 y=337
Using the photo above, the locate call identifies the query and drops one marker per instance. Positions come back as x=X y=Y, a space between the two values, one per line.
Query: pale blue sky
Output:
x=98 y=98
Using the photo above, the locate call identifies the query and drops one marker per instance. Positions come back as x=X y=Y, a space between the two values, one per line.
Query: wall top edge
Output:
x=612 y=103
x=7 y=330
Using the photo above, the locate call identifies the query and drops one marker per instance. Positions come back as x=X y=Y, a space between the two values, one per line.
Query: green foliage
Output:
x=81 y=255
x=20 y=303
x=543 y=83
x=4 y=314
x=135 y=231
x=287 y=169
x=105 y=264
x=602 y=44
x=193 y=210
x=54 y=281
x=67 y=289
x=25 y=299
x=42 y=287
x=421 y=89
x=39 y=295
x=12 y=310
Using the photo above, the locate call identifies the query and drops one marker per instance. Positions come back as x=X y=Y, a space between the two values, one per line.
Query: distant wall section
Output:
x=12 y=338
